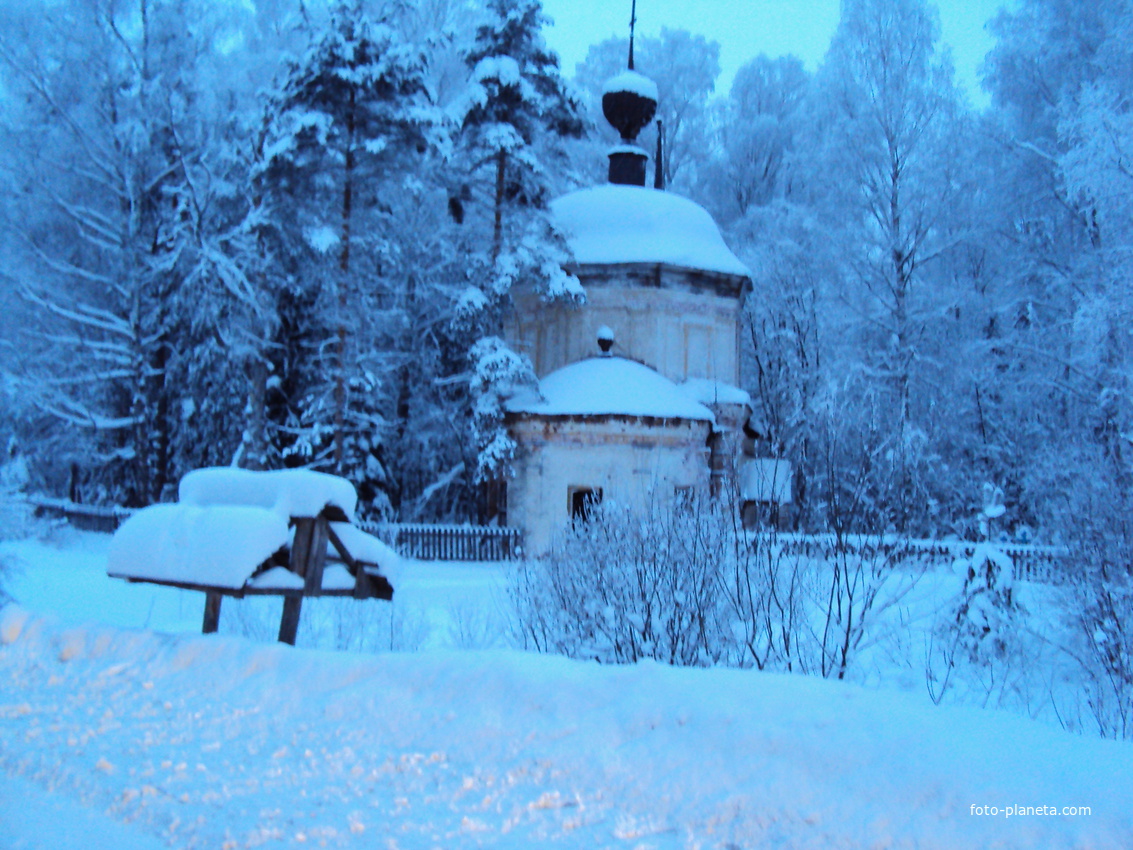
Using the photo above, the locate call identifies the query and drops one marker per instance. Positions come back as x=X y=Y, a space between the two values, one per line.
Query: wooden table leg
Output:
x=212 y=612
x=289 y=622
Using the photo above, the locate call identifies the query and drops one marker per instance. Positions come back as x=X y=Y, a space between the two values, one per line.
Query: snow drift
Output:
x=203 y=741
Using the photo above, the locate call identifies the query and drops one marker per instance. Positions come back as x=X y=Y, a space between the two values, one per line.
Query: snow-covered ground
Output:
x=121 y=727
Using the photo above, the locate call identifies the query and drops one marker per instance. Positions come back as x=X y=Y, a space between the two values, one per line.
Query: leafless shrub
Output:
x=626 y=585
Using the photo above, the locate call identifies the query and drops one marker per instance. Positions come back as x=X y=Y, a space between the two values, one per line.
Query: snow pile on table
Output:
x=609 y=386
x=213 y=546
x=208 y=742
x=632 y=224
x=276 y=578
x=288 y=492
x=363 y=547
x=229 y=522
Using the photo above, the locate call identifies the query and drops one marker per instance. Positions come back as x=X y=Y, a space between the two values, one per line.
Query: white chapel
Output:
x=638 y=396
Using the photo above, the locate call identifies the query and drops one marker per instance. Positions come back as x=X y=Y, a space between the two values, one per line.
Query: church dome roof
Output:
x=611 y=386
x=633 y=224
x=629 y=102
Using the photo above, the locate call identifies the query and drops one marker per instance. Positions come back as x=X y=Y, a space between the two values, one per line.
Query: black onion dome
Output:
x=629 y=102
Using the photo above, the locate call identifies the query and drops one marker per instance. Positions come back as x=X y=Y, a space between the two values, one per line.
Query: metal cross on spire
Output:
x=632 y=22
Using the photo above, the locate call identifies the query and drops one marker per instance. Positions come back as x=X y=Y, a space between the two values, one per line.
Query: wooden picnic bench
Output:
x=320 y=555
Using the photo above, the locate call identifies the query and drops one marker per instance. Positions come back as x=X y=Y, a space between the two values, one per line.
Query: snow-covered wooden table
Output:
x=239 y=533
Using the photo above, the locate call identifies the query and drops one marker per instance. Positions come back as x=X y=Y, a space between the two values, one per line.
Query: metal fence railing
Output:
x=1045 y=564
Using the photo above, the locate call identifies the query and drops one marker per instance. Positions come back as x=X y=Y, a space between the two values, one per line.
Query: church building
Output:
x=639 y=392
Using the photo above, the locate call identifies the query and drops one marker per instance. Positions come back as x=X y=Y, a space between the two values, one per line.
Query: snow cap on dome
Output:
x=609 y=386
x=632 y=224
x=631 y=81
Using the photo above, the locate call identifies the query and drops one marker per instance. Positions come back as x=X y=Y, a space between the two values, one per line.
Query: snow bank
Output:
x=632 y=224
x=32 y=818
x=206 y=741
x=210 y=546
x=609 y=385
x=288 y=492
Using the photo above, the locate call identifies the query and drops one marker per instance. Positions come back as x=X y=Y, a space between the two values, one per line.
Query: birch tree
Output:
x=891 y=109
x=112 y=164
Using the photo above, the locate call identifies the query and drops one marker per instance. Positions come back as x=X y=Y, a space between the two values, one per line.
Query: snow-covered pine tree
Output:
x=515 y=117
x=348 y=115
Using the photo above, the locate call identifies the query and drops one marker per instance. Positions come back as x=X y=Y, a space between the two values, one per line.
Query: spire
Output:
x=629 y=102
x=632 y=22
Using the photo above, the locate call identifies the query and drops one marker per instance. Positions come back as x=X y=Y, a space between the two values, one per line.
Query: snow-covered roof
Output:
x=707 y=391
x=766 y=480
x=219 y=546
x=288 y=492
x=609 y=386
x=633 y=224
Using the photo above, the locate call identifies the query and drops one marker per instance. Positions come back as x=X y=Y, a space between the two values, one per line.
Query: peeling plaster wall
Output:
x=631 y=459
x=676 y=322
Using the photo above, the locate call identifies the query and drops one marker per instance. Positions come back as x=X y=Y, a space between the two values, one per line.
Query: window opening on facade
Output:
x=582 y=502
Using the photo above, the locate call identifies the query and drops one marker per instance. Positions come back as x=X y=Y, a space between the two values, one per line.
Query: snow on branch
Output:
x=82 y=314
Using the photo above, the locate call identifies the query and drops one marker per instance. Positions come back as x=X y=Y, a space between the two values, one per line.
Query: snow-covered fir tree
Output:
x=514 y=119
x=348 y=119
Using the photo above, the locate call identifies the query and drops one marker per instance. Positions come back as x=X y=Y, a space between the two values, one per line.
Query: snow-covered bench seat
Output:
x=239 y=533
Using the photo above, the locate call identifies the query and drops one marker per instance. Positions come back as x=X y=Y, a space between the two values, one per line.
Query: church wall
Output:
x=630 y=460
x=681 y=331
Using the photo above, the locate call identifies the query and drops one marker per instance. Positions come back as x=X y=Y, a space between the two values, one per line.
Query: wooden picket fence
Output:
x=450 y=542
x=414 y=540
x=1045 y=564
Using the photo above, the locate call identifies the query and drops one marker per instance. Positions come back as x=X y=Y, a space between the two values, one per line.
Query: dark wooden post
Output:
x=316 y=558
x=309 y=553
x=308 y=558
x=212 y=612
x=289 y=622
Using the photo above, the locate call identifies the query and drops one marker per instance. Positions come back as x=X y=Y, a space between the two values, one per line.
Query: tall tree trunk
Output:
x=255 y=415
x=404 y=387
x=343 y=302
x=498 y=221
x=161 y=438
x=902 y=263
